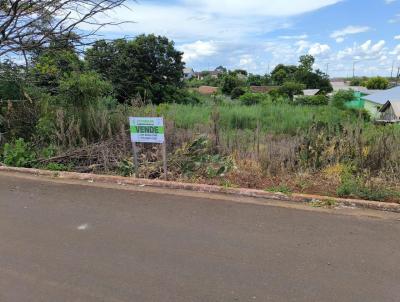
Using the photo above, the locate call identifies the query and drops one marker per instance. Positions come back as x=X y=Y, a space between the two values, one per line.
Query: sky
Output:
x=256 y=35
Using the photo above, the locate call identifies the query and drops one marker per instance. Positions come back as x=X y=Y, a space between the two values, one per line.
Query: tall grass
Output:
x=271 y=118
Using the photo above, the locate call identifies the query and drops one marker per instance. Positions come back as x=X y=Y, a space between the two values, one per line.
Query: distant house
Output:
x=390 y=112
x=381 y=98
x=214 y=73
x=363 y=98
x=360 y=102
x=188 y=73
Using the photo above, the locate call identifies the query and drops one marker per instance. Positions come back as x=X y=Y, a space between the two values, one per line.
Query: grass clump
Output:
x=284 y=189
x=358 y=187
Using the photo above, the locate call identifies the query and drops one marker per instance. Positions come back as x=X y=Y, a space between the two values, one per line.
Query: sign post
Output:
x=148 y=130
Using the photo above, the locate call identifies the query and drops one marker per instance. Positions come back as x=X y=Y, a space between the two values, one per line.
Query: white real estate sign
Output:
x=147 y=130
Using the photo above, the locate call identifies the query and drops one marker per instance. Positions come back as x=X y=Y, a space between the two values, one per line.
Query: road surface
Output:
x=71 y=242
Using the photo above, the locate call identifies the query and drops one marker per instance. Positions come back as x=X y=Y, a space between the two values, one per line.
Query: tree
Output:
x=306 y=63
x=11 y=83
x=52 y=65
x=283 y=73
x=377 y=83
x=240 y=71
x=221 y=69
x=83 y=89
x=149 y=65
x=229 y=83
x=26 y=25
x=303 y=73
x=291 y=89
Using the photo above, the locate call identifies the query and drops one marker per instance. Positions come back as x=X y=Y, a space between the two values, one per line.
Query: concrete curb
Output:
x=306 y=198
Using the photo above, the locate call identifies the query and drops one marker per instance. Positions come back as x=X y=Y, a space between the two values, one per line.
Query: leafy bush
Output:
x=83 y=89
x=197 y=158
x=189 y=98
x=358 y=81
x=237 y=92
x=18 y=154
x=291 y=89
x=377 y=83
x=341 y=97
x=249 y=99
x=126 y=168
x=356 y=186
x=315 y=100
x=229 y=83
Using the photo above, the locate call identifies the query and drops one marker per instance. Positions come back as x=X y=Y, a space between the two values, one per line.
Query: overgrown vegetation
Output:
x=63 y=112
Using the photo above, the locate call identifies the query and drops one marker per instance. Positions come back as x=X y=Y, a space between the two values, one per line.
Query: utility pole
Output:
x=398 y=75
x=354 y=69
x=327 y=69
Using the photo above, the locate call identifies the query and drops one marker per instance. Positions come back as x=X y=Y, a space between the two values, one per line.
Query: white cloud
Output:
x=378 y=46
x=365 y=51
x=246 y=60
x=239 y=33
x=318 y=49
x=259 y=7
x=396 y=50
x=340 y=35
x=302 y=45
x=198 y=49
x=188 y=20
x=294 y=37
x=396 y=19
x=390 y=1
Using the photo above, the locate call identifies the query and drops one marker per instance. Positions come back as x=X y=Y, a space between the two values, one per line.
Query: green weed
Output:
x=280 y=189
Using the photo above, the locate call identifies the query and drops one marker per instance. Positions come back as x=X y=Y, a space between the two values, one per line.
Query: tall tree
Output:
x=306 y=63
x=149 y=65
x=26 y=25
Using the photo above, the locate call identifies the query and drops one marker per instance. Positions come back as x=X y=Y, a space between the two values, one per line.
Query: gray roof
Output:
x=384 y=96
x=341 y=85
x=310 y=92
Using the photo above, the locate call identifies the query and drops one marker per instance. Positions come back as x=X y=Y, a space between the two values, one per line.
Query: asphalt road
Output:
x=67 y=242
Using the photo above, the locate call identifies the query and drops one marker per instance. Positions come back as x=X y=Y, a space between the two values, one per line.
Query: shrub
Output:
x=291 y=89
x=237 y=92
x=197 y=158
x=189 y=98
x=18 y=154
x=315 y=100
x=229 y=83
x=249 y=98
x=341 y=97
x=82 y=90
x=126 y=168
x=377 y=83
x=355 y=186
